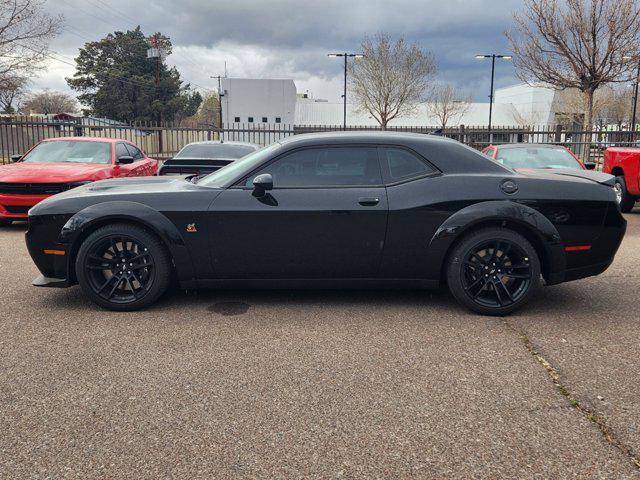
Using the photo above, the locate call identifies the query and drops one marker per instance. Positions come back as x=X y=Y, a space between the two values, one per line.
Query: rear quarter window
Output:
x=400 y=164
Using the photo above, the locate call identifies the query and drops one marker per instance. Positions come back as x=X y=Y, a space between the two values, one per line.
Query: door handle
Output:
x=368 y=201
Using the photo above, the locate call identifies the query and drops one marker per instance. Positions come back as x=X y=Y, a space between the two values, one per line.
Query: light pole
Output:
x=493 y=57
x=635 y=99
x=344 y=96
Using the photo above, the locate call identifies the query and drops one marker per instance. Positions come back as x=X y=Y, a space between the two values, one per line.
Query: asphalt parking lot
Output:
x=322 y=384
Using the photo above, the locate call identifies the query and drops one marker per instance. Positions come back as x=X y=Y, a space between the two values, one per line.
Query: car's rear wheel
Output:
x=123 y=267
x=493 y=271
x=625 y=200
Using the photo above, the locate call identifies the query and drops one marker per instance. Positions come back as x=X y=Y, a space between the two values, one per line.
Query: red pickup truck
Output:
x=624 y=164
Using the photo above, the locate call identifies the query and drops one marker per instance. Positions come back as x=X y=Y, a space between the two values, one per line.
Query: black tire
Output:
x=5 y=222
x=627 y=201
x=493 y=271
x=130 y=264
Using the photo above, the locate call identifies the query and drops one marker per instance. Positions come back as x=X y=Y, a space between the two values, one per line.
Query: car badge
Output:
x=191 y=228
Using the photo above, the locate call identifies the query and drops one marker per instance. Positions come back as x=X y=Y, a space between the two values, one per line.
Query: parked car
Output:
x=205 y=157
x=536 y=156
x=351 y=209
x=624 y=164
x=59 y=164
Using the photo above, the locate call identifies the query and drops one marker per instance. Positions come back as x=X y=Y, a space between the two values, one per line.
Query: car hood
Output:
x=597 y=177
x=26 y=172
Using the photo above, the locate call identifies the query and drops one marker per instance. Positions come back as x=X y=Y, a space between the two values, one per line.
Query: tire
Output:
x=627 y=201
x=5 y=222
x=493 y=271
x=119 y=285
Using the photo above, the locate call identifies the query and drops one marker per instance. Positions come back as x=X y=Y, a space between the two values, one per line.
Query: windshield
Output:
x=222 y=177
x=70 y=151
x=535 y=157
x=214 y=151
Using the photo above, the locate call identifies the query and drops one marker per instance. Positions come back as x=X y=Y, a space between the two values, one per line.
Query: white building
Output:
x=257 y=100
x=272 y=101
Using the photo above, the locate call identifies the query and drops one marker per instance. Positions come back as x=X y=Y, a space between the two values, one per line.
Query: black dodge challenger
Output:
x=333 y=210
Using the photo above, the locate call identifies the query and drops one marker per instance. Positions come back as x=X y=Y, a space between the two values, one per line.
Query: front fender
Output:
x=521 y=217
x=78 y=226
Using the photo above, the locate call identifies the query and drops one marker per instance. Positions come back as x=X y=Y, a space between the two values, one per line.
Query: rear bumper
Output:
x=15 y=207
x=587 y=263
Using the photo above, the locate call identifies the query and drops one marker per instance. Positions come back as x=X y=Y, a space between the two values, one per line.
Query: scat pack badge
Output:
x=191 y=228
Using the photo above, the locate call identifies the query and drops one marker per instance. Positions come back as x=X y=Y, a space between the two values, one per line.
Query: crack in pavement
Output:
x=584 y=410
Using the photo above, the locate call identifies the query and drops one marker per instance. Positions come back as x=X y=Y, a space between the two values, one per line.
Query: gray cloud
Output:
x=286 y=38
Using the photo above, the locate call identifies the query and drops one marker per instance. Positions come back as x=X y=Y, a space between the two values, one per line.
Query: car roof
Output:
x=365 y=136
x=224 y=142
x=86 y=139
x=527 y=145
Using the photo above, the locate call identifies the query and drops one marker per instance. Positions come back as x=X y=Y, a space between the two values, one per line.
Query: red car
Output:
x=536 y=156
x=624 y=164
x=59 y=164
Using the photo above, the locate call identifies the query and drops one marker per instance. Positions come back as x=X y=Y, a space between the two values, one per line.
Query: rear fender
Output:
x=86 y=220
x=522 y=218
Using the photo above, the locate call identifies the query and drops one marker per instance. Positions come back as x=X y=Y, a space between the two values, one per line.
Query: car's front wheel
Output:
x=493 y=271
x=123 y=267
x=625 y=200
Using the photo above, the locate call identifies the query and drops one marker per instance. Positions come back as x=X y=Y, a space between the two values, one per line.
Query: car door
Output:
x=325 y=218
x=141 y=166
x=122 y=170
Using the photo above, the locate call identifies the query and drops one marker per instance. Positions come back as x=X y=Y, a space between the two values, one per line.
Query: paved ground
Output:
x=319 y=384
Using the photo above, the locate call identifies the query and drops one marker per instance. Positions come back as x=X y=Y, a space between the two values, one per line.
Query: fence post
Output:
x=78 y=130
x=462 y=139
x=558 y=133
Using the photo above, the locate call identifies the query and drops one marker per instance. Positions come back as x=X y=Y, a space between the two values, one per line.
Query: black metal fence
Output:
x=18 y=134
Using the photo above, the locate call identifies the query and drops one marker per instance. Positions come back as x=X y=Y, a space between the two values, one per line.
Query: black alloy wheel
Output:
x=122 y=267
x=494 y=271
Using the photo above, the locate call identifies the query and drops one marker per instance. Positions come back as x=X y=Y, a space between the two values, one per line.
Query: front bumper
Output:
x=52 y=257
x=15 y=207
x=42 y=281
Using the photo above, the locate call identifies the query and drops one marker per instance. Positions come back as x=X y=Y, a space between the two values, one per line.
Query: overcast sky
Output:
x=291 y=39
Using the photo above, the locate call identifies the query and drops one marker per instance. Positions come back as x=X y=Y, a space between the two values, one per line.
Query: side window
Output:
x=134 y=151
x=400 y=164
x=325 y=167
x=121 y=151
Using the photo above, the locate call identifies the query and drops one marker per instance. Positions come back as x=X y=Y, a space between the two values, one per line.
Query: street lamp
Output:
x=493 y=57
x=635 y=98
x=344 y=96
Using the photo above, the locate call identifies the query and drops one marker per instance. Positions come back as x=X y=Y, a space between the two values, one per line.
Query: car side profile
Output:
x=332 y=210
x=59 y=164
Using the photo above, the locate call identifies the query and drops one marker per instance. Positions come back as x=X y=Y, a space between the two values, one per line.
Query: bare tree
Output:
x=391 y=79
x=526 y=119
x=11 y=92
x=581 y=44
x=25 y=31
x=447 y=104
x=47 y=102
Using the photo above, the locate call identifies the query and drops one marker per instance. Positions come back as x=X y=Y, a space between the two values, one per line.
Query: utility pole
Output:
x=219 y=98
x=344 y=95
x=159 y=53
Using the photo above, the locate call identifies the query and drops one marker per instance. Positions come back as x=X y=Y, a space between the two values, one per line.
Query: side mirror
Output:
x=590 y=165
x=125 y=160
x=15 y=158
x=261 y=184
